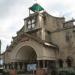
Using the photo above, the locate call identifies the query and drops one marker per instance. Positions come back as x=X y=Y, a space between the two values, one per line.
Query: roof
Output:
x=36 y=7
x=44 y=43
x=40 y=41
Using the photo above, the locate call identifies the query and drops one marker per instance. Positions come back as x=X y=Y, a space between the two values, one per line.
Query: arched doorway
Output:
x=25 y=58
x=26 y=53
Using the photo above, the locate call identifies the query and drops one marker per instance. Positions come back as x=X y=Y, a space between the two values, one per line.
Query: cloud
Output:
x=12 y=13
x=60 y=6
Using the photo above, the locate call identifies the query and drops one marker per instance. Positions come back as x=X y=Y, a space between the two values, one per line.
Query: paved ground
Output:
x=24 y=74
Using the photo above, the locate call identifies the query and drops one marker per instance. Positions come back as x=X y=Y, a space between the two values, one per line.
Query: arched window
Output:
x=31 y=23
x=69 y=61
x=60 y=62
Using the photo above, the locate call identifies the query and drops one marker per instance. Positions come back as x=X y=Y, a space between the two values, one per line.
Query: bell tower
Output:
x=32 y=21
x=33 y=24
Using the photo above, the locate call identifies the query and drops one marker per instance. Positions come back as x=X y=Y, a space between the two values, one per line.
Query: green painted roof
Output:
x=36 y=7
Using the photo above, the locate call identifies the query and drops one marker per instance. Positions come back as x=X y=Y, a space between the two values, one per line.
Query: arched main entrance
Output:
x=27 y=54
x=26 y=57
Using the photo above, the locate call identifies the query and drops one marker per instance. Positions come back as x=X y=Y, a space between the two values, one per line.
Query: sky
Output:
x=13 y=12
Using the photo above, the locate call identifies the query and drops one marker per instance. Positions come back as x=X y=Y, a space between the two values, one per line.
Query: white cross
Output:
x=35 y=1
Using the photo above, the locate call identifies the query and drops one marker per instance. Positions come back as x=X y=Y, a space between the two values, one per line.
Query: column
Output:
x=12 y=65
x=15 y=65
x=43 y=61
x=18 y=66
x=38 y=64
x=7 y=66
x=47 y=63
x=29 y=11
x=23 y=67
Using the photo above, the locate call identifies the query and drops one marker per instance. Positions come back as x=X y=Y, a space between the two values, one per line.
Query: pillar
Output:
x=12 y=65
x=43 y=61
x=47 y=63
x=18 y=66
x=29 y=11
x=23 y=67
x=15 y=65
x=38 y=63
x=7 y=66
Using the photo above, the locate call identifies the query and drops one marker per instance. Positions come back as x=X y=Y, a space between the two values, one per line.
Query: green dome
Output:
x=36 y=7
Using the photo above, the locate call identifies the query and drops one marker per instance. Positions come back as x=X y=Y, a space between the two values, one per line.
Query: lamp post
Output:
x=0 y=53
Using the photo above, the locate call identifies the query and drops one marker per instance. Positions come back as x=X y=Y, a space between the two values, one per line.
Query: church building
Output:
x=44 y=41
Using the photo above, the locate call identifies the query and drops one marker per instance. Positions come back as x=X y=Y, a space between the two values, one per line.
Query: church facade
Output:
x=44 y=41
